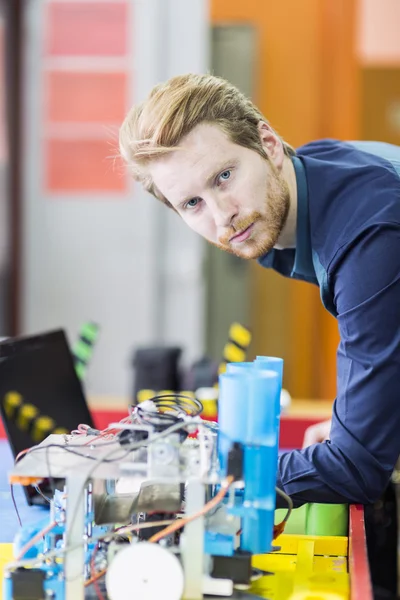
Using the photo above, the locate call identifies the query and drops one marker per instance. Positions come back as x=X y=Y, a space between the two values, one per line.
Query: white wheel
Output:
x=145 y=571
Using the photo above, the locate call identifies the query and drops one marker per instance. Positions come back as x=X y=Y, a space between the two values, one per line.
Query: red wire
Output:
x=92 y=574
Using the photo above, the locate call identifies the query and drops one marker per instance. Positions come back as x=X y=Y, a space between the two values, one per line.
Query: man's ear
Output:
x=272 y=144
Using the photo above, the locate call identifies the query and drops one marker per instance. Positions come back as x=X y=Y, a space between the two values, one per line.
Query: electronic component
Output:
x=235 y=461
x=236 y=567
x=162 y=505
x=28 y=584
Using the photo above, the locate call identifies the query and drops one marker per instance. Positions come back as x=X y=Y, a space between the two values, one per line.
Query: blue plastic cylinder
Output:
x=247 y=408
x=264 y=363
x=232 y=412
x=264 y=393
x=272 y=363
x=259 y=498
x=249 y=395
x=246 y=405
x=260 y=461
x=237 y=367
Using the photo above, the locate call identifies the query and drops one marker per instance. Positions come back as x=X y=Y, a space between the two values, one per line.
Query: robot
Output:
x=160 y=505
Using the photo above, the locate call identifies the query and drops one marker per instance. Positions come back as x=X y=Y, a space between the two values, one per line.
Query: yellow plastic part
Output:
x=165 y=393
x=6 y=556
x=300 y=570
x=221 y=369
x=233 y=353
x=210 y=409
x=143 y=395
x=240 y=335
x=12 y=401
x=60 y=431
x=188 y=393
x=27 y=413
x=42 y=427
x=305 y=568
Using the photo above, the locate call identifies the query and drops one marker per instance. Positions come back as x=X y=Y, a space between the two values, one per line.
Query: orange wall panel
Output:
x=306 y=85
x=82 y=166
x=287 y=63
x=86 y=97
x=87 y=28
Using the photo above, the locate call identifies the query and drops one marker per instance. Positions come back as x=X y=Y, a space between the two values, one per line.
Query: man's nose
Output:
x=224 y=211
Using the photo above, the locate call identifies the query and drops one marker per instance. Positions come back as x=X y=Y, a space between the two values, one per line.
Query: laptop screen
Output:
x=40 y=392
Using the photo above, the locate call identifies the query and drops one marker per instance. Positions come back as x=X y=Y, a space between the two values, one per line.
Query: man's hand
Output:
x=317 y=433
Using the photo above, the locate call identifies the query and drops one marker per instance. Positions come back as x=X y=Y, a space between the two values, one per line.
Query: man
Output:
x=328 y=214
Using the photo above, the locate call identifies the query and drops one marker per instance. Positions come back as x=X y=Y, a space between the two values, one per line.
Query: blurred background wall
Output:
x=79 y=241
x=94 y=246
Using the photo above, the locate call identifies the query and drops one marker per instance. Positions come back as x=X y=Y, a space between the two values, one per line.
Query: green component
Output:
x=327 y=519
x=316 y=519
x=89 y=331
x=80 y=370
x=296 y=524
x=82 y=351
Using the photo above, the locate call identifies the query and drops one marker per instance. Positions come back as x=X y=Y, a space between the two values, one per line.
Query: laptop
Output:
x=38 y=379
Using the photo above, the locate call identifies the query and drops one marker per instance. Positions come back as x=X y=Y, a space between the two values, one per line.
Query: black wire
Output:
x=99 y=461
x=133 y=446
x=170 y=409
x=68 y=448
x=191 y=405
x=40 y=447
x=15 y=504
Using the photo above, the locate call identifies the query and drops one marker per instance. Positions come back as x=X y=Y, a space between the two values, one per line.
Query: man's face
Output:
x=230 y=195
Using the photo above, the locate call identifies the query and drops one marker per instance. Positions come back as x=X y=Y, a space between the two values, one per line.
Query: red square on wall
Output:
x=83 y=166
x=81 y=97
x=87 y=28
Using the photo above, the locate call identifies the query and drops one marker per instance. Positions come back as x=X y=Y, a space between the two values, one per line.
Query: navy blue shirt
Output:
x=348 y=243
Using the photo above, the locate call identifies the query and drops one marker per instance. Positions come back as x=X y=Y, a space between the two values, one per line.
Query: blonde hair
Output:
x=155 y=127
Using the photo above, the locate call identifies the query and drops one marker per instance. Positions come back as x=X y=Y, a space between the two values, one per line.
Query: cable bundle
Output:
x=165 y=410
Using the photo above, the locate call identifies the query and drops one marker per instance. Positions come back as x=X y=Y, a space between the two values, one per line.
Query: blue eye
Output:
x=192 y=203
x=225 y=175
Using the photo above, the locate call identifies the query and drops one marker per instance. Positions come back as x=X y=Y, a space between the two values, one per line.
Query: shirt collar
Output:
x=303 y=263
x=296 y=262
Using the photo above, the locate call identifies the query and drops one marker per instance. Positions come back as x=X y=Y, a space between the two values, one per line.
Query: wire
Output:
x=15 y=504
x=92 y=573
x=280 y=527
x=143 y=525
x=131 y=528
x=192 y=406
x=130 y=448
x=140 y=444
x=70 y=448
x=35 y=539
x=170 y=408
x=21 y=454
x=136 y=445
x=39 y=491
x=207 y=507
x=82 y=429
x=289 y=503
x=101 y=537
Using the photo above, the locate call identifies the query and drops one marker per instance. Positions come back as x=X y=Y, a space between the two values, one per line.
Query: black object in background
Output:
x=203 y=373
x=156 y=369
x=41 y=369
